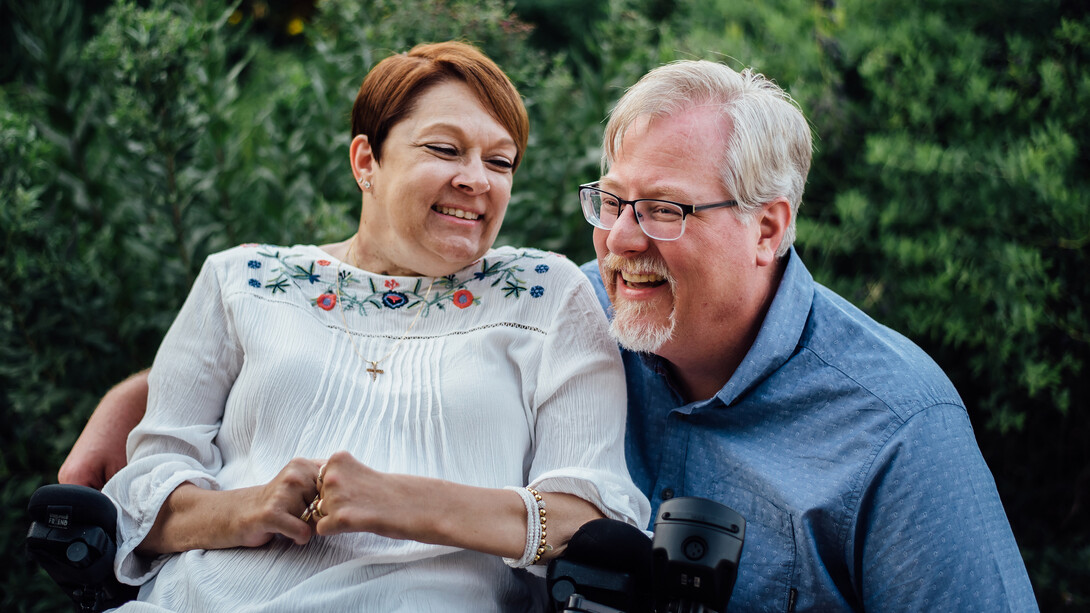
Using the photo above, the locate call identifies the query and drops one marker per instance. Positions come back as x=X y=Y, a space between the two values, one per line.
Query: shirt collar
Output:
x=777 y=339
x=780 y=332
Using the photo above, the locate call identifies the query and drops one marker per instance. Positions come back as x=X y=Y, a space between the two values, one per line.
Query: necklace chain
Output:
x=373 y=369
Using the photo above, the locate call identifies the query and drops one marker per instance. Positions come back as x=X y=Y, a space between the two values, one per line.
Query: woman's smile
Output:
x=459 y=213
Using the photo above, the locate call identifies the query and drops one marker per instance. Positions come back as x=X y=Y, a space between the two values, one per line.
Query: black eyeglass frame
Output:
x=686 y=209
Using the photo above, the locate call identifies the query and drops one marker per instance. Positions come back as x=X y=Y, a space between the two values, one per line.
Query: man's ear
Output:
x=361 y=158
x=773 y=221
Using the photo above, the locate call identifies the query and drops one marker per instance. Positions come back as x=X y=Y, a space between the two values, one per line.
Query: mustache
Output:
x=613 y=263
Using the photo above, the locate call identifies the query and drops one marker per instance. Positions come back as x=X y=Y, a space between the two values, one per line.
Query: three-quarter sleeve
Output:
x=580 y=417
x=175 y=442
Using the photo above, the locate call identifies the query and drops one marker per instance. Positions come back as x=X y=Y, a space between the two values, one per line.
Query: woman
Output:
x=435 y=375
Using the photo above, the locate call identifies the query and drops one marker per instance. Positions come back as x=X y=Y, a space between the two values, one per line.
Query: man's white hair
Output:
x=769 y=147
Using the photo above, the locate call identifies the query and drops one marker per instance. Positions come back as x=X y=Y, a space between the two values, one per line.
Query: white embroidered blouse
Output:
x=508 y=377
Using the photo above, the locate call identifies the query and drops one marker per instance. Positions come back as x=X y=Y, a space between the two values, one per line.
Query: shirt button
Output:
x=668 y=493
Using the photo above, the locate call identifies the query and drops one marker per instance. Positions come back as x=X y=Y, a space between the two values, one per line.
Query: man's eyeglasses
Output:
x=659 y=219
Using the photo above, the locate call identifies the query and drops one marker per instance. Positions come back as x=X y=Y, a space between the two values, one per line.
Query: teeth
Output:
x=457 y=213
x=631 y=277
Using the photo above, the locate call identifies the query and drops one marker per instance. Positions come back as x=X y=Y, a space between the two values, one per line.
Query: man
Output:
x=843 y=445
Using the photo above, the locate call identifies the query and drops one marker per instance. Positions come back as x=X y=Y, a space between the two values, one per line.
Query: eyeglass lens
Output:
x=658 y=219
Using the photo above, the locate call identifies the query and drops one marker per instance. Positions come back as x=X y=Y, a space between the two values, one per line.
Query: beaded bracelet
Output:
x=535 y=528
x=542 y=547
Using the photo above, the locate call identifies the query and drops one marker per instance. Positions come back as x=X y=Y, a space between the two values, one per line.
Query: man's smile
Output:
x=642 y=280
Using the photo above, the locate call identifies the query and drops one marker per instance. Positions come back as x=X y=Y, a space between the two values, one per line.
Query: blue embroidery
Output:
x=541 y=269
x=254 y=264
x=537 y=291
x=255 y=283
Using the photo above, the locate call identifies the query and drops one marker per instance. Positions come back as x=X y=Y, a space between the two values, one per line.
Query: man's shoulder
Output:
x=880 y=360
x=590 y=269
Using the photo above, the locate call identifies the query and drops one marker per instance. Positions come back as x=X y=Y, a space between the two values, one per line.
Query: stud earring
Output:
x=366 y=185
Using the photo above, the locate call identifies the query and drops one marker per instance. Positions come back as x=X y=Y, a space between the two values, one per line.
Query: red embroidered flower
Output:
x=391 y=284
x=394 y=300
x=323 y=262
x=462 y=298
x=327 y=301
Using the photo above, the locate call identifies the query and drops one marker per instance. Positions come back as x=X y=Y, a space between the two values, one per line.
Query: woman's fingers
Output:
x=278 y=506
x=352 y=497
x=357 y=498
x=347 y=485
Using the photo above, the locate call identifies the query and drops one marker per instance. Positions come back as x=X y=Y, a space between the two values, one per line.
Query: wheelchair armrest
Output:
x=73 y=537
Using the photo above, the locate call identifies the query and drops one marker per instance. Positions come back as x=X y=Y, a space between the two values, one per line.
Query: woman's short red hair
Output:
x=390 y=90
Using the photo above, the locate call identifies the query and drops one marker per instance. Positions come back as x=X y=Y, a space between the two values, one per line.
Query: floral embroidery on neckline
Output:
x=297 y=272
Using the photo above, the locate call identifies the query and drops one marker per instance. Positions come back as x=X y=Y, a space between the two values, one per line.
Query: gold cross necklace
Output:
x=373 y=369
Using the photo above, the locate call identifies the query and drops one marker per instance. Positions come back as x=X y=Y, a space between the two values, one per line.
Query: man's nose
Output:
x=626 y=236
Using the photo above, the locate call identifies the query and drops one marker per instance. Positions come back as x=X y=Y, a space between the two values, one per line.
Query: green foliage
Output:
x=34 y=325
x=946 y=195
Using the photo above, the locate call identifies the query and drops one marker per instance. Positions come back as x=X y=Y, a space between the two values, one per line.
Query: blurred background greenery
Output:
x=947 y=196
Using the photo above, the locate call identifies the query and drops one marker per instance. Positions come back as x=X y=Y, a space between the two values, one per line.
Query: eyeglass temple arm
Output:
x=703 y=207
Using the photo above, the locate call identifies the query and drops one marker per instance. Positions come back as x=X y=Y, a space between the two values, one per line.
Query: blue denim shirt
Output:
x=851 y=457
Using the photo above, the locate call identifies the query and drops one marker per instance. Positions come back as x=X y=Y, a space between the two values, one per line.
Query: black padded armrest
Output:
x=73 y=537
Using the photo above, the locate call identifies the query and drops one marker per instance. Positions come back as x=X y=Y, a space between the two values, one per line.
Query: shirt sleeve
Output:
x=932 y=533
x=192 y=375
x=580 y=405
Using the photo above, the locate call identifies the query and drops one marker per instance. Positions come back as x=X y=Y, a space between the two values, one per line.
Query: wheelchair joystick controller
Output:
x=689 y=567
x=72 y=537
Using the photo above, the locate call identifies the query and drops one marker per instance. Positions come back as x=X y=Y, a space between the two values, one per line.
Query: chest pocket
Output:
x=766 y=571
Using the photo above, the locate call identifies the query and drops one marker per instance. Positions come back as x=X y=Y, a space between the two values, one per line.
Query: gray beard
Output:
x=636 y=335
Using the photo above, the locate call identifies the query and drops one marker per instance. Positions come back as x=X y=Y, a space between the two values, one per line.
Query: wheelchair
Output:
x=609 y=566
x=73 y=536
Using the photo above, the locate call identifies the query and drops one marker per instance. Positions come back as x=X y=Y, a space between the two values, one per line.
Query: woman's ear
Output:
x=361 y=158
x=773 y=222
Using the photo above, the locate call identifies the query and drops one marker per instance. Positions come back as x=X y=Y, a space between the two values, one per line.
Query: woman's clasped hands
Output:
x=307 y=497
x=352 y=497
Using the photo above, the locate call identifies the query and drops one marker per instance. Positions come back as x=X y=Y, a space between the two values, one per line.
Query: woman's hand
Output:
x=264 y=511
x=196 y=518
x=357 y=498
